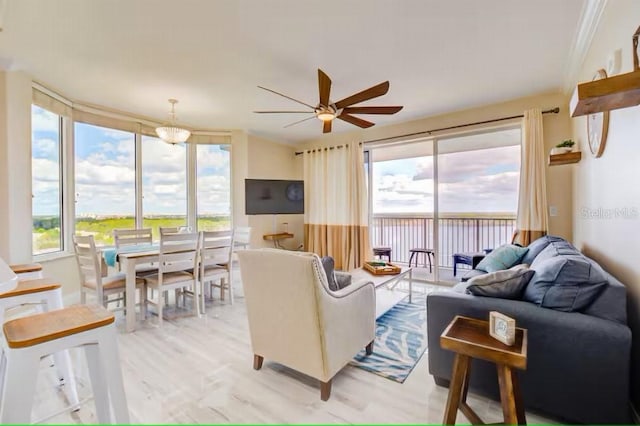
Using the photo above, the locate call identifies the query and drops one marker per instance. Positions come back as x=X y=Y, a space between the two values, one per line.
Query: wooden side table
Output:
x=469 y=338
x=276 y=238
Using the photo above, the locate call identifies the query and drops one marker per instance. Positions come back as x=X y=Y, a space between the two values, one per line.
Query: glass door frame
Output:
x=435 y=141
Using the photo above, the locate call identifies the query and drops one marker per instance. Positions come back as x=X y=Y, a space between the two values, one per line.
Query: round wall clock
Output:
x=598 y=125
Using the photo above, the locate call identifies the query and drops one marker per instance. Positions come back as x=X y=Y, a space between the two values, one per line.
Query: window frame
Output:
x=62 y=145
x=67 y=197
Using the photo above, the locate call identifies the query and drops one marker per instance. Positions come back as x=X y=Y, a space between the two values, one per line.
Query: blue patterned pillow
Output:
x=504 y=257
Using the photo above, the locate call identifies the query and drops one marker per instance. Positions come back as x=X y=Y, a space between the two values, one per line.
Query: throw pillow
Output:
x=507 y=284
x=537 y=246
x=504 y=257
x=565 y=283
x=329 y=268
x=556 y=248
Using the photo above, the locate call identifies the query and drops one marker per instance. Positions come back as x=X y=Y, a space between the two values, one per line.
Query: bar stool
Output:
x=414 y=253
x=27 y=271
x=30 y=338
x=382 y=251
x=48 y=294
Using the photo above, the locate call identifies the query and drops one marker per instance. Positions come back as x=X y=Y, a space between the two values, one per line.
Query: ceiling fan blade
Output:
x=355 y=120
x=283 y=112
x=299 y=121
x=372 y=110
x=288 y=97
x=326 y=128
x=324 y=87
x=365 y=95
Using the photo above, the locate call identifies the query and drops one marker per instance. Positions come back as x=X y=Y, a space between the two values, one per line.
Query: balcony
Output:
x=458 y=233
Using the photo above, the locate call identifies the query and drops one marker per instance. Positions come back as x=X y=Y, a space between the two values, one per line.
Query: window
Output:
x=214 y=187
x=46 y=147
x=114 y=174
x=164 y=184
x=105 y=181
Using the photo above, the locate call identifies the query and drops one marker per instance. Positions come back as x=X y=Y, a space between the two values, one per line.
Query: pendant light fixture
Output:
x=171 y=133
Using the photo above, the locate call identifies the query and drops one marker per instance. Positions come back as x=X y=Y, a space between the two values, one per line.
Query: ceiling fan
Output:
x=327 y=111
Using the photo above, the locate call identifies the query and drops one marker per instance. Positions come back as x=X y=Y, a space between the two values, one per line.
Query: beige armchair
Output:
x=295 y=320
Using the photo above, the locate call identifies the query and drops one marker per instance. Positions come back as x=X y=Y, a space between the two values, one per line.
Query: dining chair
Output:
x=174 y=229
x=177 y=269
x=91 y=275
x=216 y=250
x=126 y=237
x=132 y=237
x=242 y=237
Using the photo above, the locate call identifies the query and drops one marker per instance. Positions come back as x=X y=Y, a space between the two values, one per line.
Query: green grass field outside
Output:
x=46 y=230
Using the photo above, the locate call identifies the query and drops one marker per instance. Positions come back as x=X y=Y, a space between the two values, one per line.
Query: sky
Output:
x=105 y=172
x=473 y=181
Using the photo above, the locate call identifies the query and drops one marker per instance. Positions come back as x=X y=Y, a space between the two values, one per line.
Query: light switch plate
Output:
x=553 y=211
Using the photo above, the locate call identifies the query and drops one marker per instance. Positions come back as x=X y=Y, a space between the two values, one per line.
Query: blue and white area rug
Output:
x=401 y=340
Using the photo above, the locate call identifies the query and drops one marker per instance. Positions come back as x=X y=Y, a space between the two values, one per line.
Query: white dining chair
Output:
x=177 y=270
x=92 y=277
x=216 y=250
x=174 y=229
x=131 y=237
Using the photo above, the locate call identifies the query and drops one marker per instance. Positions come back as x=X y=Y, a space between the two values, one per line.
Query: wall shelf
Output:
x=566 y=158
x=605 y=94
x=620 y=91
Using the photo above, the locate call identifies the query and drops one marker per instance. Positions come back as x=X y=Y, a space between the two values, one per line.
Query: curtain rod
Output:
x=555 y=110
x=323 y=148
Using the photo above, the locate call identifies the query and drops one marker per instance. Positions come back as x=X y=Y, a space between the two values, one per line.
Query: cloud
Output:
x=480 y=181
x=460 y=166
x=45 y=148
x=44 y=121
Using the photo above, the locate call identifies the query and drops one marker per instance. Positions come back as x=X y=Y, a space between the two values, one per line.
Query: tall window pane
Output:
x=105 y=181
x=214 y=187
x=46 y=180
x=164 y=184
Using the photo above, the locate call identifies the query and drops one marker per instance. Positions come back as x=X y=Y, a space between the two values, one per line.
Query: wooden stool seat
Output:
x=40 y=328
x=31 y=286
x=25 y=268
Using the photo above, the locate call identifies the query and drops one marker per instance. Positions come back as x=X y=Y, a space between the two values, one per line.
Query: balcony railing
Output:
x=457 y=234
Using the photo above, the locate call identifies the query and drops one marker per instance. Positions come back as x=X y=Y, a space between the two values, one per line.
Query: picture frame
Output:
x=502 y=328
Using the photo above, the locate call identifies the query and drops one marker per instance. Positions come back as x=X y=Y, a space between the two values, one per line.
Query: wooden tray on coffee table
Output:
x=381 y=268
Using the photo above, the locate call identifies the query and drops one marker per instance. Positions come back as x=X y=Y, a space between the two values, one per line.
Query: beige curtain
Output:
x=531 y=222
x=336 y=208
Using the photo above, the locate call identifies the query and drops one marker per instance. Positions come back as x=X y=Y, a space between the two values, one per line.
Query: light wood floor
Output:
x=199 y=370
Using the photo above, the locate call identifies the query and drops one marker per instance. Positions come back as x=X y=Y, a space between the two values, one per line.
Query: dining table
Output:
x=128 y=257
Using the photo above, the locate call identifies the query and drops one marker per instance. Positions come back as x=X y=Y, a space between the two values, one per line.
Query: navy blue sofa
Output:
x=578 y=362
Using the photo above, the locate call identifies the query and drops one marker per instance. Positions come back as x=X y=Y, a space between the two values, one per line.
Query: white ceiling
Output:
x=439 y=56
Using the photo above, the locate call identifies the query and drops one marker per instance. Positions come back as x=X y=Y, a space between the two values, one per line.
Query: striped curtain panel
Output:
x=336 y=207
x=531 y=222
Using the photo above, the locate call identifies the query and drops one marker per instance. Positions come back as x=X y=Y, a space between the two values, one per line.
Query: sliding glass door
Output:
x=402 y=203
x=451 y=198
x=477 y=197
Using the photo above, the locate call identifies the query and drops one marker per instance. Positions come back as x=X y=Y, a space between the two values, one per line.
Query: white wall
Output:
x=15 y=162
x=271 y=160
x=613 y=181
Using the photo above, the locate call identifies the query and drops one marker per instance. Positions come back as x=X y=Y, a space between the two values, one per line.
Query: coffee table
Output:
x=388 y=281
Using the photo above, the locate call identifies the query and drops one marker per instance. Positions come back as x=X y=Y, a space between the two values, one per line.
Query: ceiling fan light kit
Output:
x=326 y=111
x=171 y=133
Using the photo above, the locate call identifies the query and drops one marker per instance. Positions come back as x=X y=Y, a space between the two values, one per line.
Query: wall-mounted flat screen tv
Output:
x=269 y=196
